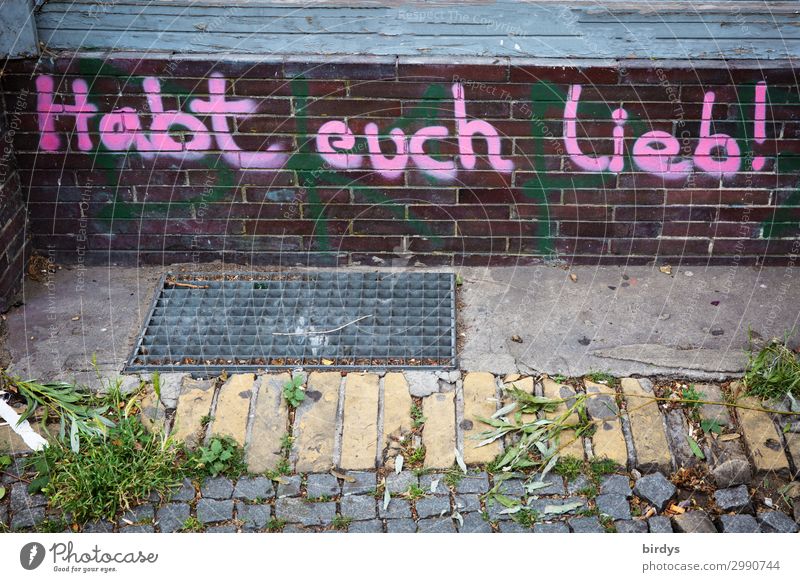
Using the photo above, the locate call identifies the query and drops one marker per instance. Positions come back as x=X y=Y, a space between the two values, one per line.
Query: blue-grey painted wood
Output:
x=17 y=29
x=675 y=30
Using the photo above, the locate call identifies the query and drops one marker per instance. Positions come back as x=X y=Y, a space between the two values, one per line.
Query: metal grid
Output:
x=251 y=321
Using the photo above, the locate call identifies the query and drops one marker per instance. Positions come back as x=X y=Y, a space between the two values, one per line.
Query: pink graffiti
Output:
x=389 y=167
x=615 y=163
x=335 y=140
x=122 y=129
x=466 y=131
x=658 y=152
x=81 y=110
x=220 y=110
x=759 y=123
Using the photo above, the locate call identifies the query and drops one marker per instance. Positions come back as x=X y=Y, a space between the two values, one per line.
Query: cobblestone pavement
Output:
x=346 y=435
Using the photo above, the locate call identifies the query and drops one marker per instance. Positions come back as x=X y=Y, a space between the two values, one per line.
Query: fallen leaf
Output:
x=2 y=492
x=573 y=277
x=730 y=437
x=387 y=497
x=460 y=461
x=516 y=339
x=559 y=509
x=696 y=450
x=666 y=269
x=343 y=476
x=327 y=362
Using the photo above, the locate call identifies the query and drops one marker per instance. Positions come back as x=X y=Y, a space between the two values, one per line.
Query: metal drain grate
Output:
x=250 y=321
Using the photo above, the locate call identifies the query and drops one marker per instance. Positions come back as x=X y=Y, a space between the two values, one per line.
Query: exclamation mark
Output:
x=759 y=123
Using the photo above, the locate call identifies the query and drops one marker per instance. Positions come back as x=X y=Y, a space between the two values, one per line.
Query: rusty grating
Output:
x=254 y=321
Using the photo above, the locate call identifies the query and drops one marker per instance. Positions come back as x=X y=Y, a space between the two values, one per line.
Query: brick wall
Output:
x=12 y=215
x=292 y=162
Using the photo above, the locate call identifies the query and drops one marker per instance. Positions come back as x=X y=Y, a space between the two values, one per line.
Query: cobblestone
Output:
x=364 y=483
x=214 y=510
x=733 y=499
x=139 y=515
x=436 y=525
x=512 y=487
x=20 y=499
x=433 y=506
x=358 y=507
x=656 y=489
x=185 y=492
x=555 y=484
x=371 y=526
x=618 y=484
x=586 y=525
x=426 y=482
x=614 y=506
x=580 y=483
x=540 y=505
x=776 y=522
x=397 y=509
x=474 y=523
x=660 y=524
x=322 y=485
x=400 y=482
x=27 y=518
x=693 y=522
x=401 y=526
x=494 y=511
x=469 y=502
x=288 y=486
x=473 y=483
x=555 y=527
x=253 y=517
x=253 y=488
x=738 y=524
x=300 y=511
x=217 y=488
x=172 y=516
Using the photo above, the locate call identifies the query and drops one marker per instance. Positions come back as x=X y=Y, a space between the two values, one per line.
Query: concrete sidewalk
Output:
x=692 y=323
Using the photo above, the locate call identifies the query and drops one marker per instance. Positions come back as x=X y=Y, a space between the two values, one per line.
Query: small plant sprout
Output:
x=222 y=456
x=294 y=392
x=417 y=418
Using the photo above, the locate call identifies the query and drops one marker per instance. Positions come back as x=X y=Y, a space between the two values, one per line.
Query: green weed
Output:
x=294 y=392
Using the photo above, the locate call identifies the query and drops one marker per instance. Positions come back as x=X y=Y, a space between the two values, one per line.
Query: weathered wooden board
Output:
x=740 y=30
